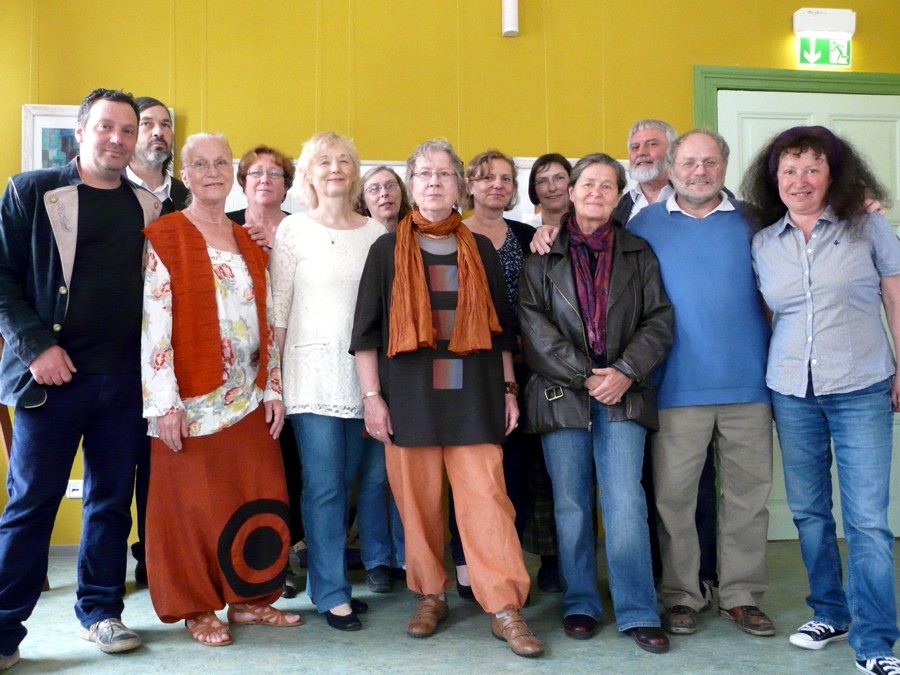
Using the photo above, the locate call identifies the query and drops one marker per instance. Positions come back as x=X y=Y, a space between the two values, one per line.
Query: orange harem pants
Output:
x=483 y=512
x=217 y=520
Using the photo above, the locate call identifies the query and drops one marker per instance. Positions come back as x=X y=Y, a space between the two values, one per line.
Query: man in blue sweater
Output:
x=711 y=386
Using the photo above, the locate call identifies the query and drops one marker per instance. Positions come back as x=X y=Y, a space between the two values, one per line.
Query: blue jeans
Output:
x=859 y=424
x=610 y=454
x=104 y=410
x=332 y=451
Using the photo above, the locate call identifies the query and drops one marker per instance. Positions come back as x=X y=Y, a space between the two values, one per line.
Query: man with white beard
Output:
x=153 y=154
x=648 y=141
x=149 y=168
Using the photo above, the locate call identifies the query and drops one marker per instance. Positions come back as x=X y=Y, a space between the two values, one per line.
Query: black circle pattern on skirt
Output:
x=253 y=545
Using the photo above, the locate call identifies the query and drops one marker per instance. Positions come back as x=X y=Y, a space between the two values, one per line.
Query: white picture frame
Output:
x=48 y=135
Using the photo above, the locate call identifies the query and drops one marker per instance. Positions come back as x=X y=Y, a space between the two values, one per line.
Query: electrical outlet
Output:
x=75 y=490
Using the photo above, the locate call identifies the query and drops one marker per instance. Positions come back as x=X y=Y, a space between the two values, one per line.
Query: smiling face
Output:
x=803 y=182
x=154 y=142
x=264 y=190
x=646 y=154
x=698 y=174
x=106 y=141
x=438 y=193
x=494 y=186
x=333 y=172
x=551 y=185
x=208 y=172
x=383 y=203
x=594 y=196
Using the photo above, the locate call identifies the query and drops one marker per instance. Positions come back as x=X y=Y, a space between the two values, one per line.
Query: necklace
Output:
x=435 y=236
x=205 y=221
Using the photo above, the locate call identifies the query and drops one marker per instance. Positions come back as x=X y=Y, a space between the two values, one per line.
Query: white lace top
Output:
x=315 y=278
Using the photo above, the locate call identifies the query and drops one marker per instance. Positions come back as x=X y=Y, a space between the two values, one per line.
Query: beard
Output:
x=646 y=174
x=154 y=158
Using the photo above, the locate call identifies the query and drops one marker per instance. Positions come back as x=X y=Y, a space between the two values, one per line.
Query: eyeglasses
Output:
x=692 y=164
x=375 y=188
x=271 y=173
x=440 y=176
x=203 y=165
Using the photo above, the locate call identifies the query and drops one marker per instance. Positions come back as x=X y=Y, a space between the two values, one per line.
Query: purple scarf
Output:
x=593 y=292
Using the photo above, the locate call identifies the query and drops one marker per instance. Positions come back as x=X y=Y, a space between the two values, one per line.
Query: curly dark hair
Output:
x=852 y=181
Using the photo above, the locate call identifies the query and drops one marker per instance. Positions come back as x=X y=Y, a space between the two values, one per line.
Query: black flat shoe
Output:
x=465 y=592
x=579 y=626
x=358 y=606
x=349 y=622
x=650 y=639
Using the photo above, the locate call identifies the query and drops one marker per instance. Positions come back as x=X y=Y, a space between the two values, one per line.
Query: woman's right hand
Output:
x=171 y=428
x=543 y=239
x=378 y=418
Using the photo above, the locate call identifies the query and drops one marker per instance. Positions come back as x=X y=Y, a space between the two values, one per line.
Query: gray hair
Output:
x=193 y=139
x=659 y=125
x=425 y=149
x=673 y=147
x=311 y=148
x=598 y=158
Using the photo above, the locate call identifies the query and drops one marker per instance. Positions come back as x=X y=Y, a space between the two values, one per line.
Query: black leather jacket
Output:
x=639 y=333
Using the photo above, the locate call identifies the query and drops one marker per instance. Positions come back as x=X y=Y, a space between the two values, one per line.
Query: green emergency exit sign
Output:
x=824 y=51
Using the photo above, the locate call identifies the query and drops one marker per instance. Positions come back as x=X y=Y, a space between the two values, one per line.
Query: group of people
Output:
x=379 y=340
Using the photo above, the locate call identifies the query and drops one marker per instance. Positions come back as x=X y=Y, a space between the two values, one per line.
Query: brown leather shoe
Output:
x=432 y=610
x=750 y=619
x=514 y=630
x=680 y=620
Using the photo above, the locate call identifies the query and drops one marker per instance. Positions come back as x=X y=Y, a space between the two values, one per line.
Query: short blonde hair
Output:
x=193 y=139
x=311 y=148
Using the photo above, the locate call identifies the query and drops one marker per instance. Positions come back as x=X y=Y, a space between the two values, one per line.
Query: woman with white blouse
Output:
x=316 y=265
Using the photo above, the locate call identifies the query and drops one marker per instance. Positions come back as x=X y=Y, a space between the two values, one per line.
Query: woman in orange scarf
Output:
x=433 y=337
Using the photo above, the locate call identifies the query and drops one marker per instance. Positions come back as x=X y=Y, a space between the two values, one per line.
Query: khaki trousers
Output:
x=743 y=434
x=483 y=512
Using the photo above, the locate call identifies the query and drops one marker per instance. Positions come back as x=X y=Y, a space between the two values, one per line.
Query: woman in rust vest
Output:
x=217 y=529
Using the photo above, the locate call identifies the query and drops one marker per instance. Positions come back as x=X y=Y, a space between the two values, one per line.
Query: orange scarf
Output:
x=411 y=326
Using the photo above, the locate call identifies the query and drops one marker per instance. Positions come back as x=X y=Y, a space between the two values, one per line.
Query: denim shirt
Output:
x=38 y=237
x=825 y=295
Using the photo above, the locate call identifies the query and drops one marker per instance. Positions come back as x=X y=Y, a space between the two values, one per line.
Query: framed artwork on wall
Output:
x=48 y=135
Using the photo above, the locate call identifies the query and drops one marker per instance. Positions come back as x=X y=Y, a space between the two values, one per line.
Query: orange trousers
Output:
x=484 y=514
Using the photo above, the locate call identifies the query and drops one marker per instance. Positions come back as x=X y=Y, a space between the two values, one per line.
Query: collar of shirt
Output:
x=161 y=193
x=828 y=216
x=724 y=205
x=640 y=200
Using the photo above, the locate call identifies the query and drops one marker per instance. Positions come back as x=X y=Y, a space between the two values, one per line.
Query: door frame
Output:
x=708 y=80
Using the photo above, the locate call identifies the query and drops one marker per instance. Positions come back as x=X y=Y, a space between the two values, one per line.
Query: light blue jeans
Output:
x=610 y=454
x=332 y=451
x=859 y=425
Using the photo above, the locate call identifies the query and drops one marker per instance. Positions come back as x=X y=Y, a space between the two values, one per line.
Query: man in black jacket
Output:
x=149 y=167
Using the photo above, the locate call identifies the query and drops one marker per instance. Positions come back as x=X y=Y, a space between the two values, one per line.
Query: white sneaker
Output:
x=111 y=636
x=816 y=635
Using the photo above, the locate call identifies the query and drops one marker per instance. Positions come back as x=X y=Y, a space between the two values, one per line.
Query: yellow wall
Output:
x=391 y=73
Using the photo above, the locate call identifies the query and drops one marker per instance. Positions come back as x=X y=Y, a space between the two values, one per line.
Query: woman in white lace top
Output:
x=316 y=265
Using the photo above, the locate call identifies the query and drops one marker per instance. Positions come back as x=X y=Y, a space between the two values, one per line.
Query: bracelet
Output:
x=512 y=388
x=371 y=393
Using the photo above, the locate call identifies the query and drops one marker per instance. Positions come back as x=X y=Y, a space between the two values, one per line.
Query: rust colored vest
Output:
x=196 y=341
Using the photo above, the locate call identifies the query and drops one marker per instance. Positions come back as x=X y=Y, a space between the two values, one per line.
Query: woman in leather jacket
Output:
x=595 y=322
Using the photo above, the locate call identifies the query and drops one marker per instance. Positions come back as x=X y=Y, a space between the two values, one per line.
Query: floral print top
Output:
x=240 y=331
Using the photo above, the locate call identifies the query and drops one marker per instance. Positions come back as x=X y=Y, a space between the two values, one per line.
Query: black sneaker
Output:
x=816 y=635
x=883 y=665
x=378 y=579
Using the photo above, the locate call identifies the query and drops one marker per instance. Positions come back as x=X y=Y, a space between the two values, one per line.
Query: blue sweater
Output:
x=721 y=333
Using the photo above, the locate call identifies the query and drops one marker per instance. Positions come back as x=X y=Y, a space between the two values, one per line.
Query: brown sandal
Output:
x=203 y=626
x=263 y=614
